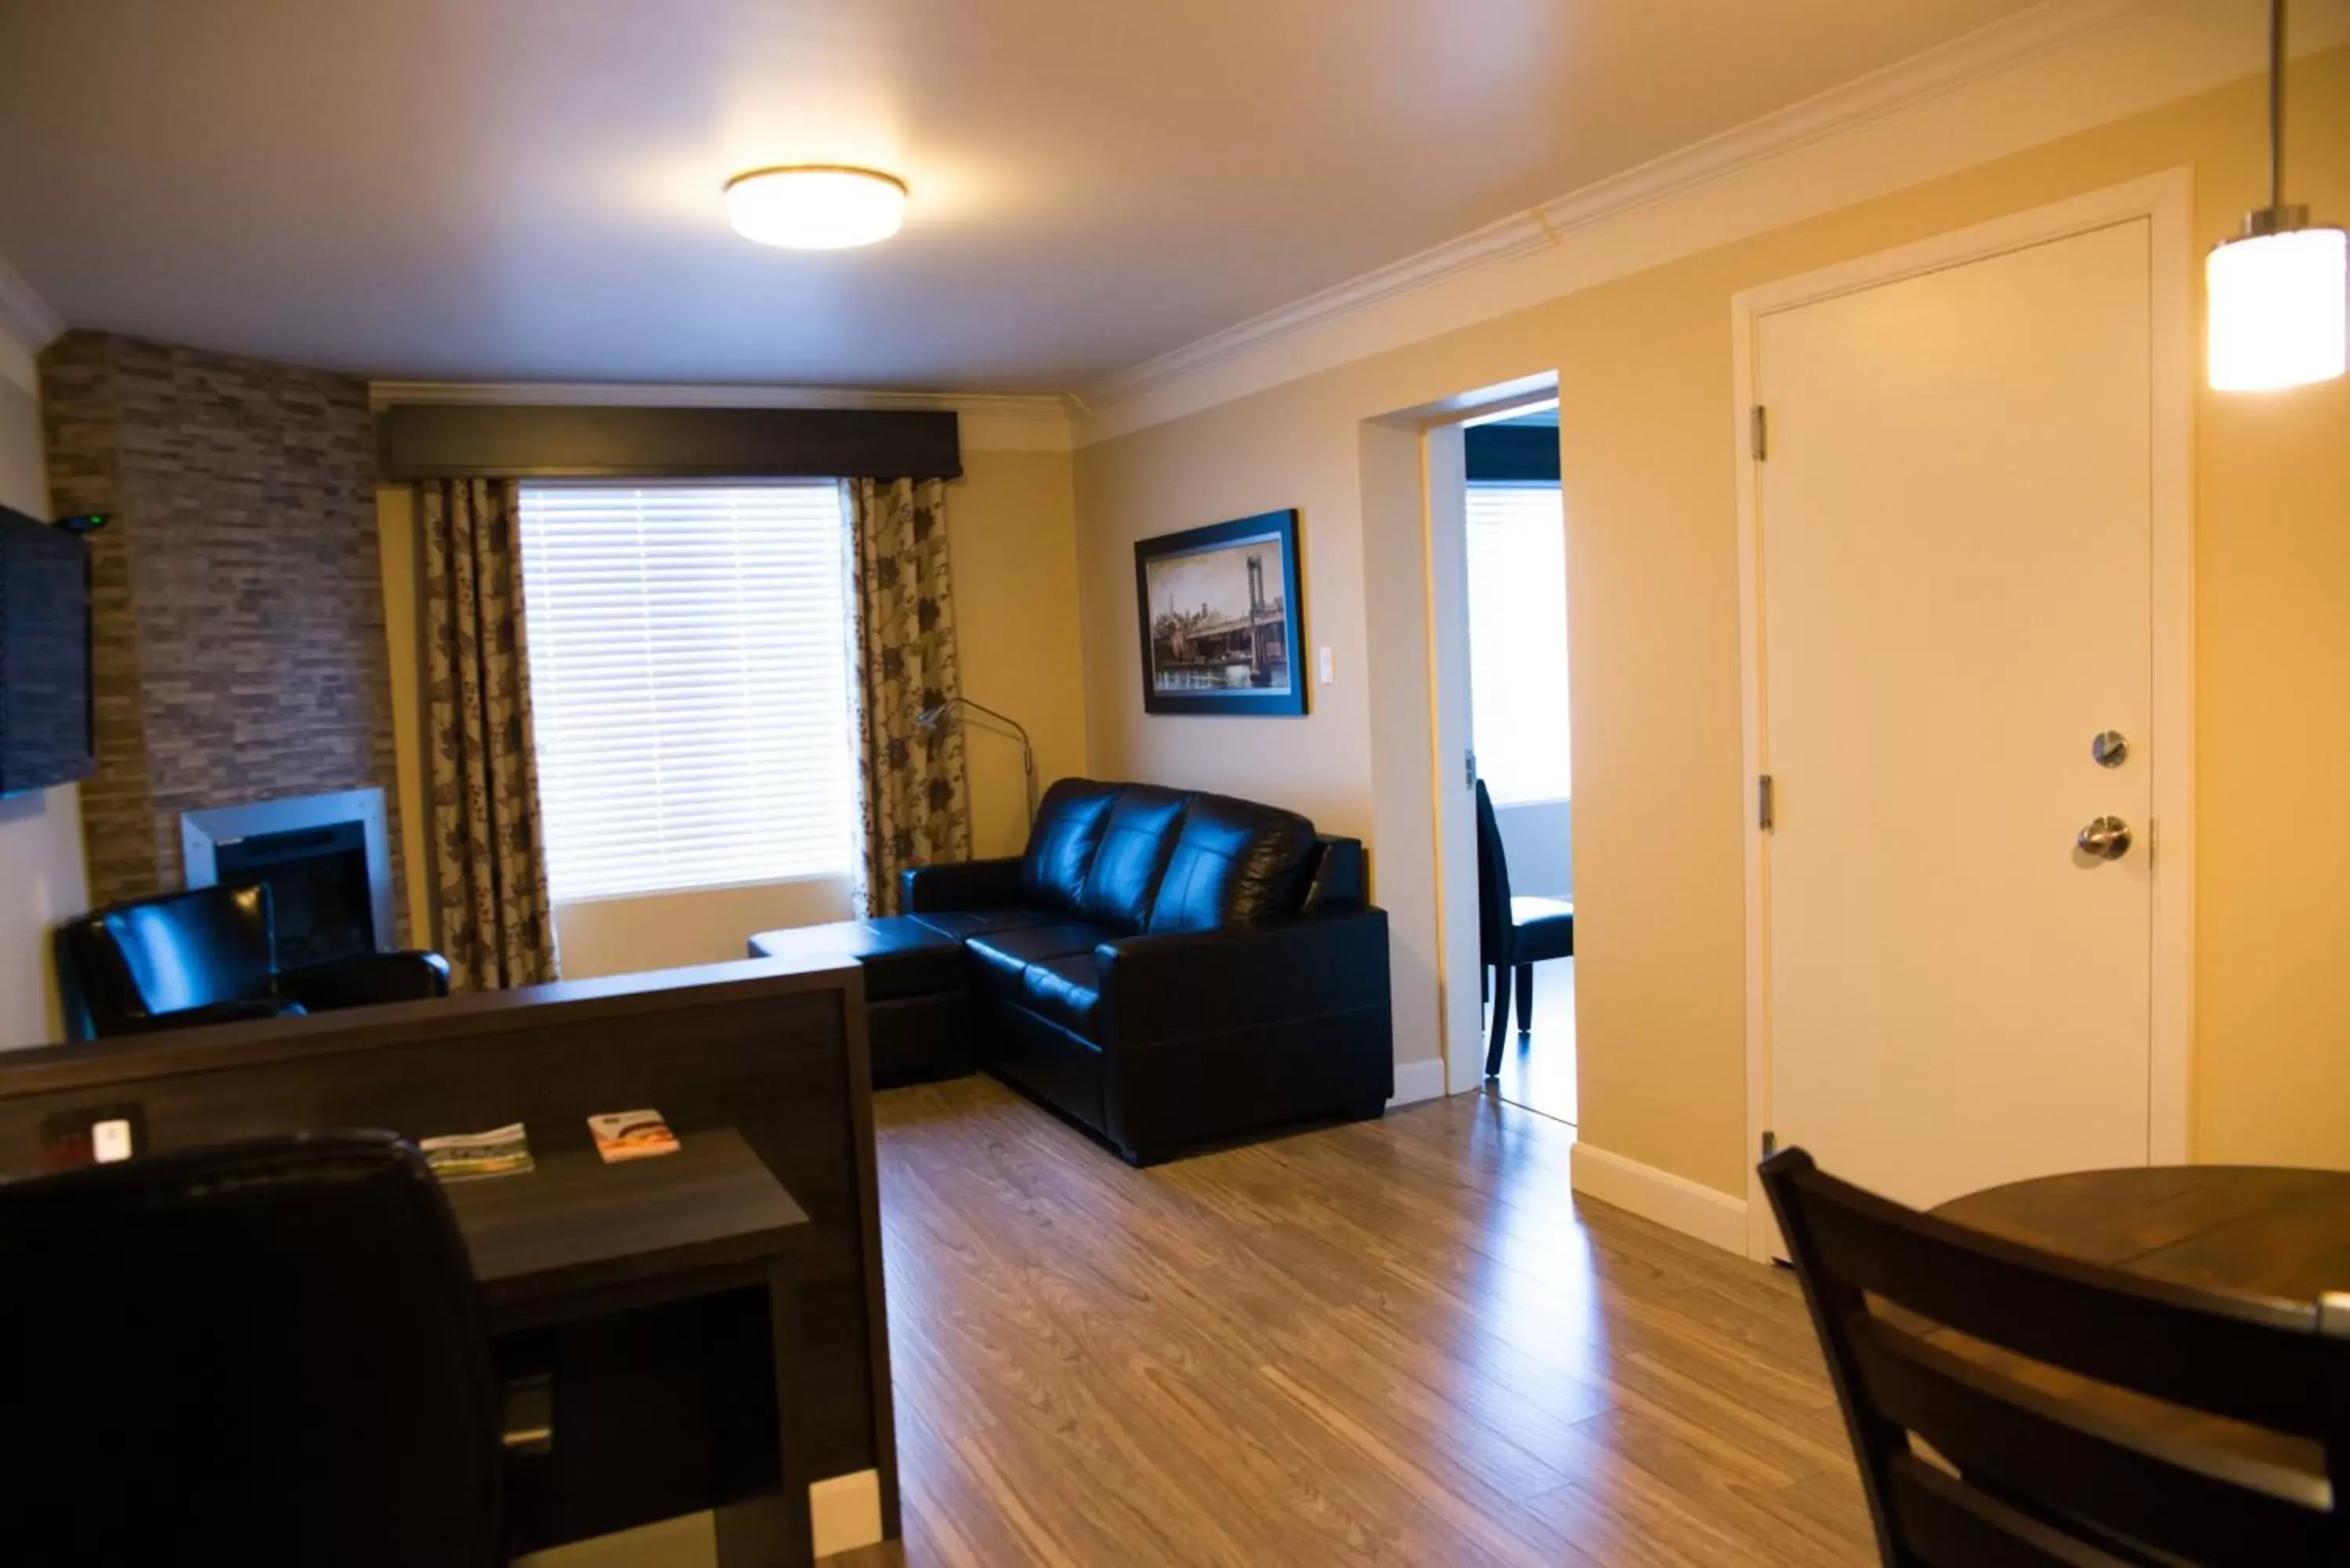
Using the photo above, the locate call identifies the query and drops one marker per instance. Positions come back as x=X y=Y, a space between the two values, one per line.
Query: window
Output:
x=1517 y=640
x=689 y=671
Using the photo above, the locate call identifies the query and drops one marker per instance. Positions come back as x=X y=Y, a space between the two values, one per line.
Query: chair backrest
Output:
x=1493 y=884
x=268 y=1354
x=2044 y=1476
x=153 y=956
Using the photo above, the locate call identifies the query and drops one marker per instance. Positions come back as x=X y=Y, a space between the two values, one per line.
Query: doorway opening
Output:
x=1514 y=587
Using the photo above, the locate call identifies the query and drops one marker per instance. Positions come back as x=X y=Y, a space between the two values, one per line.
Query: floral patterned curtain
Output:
x=496 y=922
x=913 y=798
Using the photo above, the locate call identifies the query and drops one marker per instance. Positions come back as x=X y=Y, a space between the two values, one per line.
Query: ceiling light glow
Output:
x=815 y=206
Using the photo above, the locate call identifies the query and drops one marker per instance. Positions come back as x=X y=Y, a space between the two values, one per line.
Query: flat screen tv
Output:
x=45 y=651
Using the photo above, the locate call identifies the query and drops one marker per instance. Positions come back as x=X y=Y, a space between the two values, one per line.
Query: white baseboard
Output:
x=1417 y=1081
x=1673 y=1202
x=845 y=1511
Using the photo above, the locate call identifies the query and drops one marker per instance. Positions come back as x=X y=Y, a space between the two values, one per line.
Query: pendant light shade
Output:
x=2277 y=298
x=2280 y=309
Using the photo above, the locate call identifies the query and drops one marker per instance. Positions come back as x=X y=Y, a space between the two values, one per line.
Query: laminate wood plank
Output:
x=1398 y=1342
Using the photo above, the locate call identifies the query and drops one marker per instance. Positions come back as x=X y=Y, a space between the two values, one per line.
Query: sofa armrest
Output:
x=1183 y=985
x=961 y=884
x=365 y=978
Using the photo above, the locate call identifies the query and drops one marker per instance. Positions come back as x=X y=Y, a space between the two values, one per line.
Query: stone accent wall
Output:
x=240 y=613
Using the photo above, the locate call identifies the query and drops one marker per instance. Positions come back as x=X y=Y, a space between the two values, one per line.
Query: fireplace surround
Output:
x=325 y=858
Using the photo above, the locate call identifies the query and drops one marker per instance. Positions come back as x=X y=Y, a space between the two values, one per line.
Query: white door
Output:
x=1954 y=529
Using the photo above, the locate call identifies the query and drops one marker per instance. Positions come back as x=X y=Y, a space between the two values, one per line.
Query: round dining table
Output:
x=2261 y=1230
x=2264 y=1230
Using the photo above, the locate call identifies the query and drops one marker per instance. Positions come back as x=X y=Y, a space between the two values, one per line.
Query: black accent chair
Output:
x=1169 y=968
x=268 y=1354
x=2033 y=1476
x=1513 y=934
x=209 y=956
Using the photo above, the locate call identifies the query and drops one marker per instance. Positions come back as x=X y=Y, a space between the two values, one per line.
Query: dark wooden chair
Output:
x=1512 y=934
x=2068 y=1468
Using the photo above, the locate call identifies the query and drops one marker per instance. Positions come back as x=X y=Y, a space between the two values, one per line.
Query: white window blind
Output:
x=690 y=675
x=1517 y=640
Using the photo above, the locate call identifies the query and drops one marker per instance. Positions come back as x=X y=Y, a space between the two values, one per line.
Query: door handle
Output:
x=2107 y=838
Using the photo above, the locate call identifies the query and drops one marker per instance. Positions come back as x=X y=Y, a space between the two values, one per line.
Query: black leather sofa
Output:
x=1169 y=966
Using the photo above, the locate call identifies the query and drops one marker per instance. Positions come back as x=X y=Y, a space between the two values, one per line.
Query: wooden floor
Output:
x=1538 y=1064
x=1396 y=1342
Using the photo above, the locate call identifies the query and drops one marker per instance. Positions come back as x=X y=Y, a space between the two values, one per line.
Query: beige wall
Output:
x=1644 y=367
x=41 y=873
x=1012 y=530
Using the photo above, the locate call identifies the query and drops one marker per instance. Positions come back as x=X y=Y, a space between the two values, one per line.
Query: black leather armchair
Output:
x=1169 y=968
x=268 y=1354
x=207 y=956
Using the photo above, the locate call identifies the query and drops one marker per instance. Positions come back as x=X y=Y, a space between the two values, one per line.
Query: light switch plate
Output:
x=1327 y=665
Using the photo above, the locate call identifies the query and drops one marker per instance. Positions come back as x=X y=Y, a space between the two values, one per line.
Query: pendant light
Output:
x=2278 y=295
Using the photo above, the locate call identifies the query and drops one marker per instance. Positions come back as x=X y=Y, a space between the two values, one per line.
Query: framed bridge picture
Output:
x=1219 y=612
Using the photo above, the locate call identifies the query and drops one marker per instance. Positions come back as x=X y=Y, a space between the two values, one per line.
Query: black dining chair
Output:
x=1513 y=934
x=2072 y=1470
x=269 y=1354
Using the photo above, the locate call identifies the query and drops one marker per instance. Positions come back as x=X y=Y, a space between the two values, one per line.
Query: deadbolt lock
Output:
x=2110 y=749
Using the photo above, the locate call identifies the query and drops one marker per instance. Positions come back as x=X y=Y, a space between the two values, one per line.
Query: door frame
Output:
x=1444 y=506
x=2166 y=200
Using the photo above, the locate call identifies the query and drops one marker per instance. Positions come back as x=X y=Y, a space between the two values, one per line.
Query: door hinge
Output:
x=1469 y=771
x=1770 y=1143
x=1766 y=803
x=1762 y=423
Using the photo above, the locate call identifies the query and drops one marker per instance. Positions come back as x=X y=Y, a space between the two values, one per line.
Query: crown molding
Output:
x=2058 y=68
x=991 y=421
x=26 y=326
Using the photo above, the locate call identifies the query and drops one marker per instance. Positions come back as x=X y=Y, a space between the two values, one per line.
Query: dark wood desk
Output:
x=577 y=1241
x=772 y=1053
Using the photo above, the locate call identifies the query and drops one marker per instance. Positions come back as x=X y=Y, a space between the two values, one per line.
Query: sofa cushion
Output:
x=1136 y=841
x=901 y=957
x=1235 y=862
x=1061 y=845
x=964 y=924
x=1066 y=989
x=1000 y=960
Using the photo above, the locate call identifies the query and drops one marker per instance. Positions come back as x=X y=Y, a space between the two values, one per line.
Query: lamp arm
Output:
x=1002 y=718
x=1027 y=746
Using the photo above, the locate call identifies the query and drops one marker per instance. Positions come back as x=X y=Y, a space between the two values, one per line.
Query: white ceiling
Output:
x=528 y=188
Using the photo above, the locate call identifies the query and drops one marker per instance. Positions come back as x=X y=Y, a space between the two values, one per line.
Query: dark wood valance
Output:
x=1506 y=454
x=506 y=440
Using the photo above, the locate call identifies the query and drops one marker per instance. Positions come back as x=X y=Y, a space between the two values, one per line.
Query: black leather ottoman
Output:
x=918 y=1007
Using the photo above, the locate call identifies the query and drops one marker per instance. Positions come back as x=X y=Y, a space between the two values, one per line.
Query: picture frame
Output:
x=1217 y=611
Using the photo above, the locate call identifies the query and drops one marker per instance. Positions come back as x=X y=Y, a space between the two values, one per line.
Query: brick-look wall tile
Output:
x=243 y=603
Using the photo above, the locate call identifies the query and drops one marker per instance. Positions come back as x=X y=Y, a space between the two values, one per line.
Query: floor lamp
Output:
x=934 y=718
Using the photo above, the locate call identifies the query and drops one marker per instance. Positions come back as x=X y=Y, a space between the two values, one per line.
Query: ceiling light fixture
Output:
x=2278 y=295
x=815 y=206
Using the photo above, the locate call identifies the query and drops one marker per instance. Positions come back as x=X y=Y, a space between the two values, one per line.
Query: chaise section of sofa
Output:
x=1171 y=967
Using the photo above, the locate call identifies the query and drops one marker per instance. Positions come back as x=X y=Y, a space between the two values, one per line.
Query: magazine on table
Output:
x=464 y=1157
x=631 y=1135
